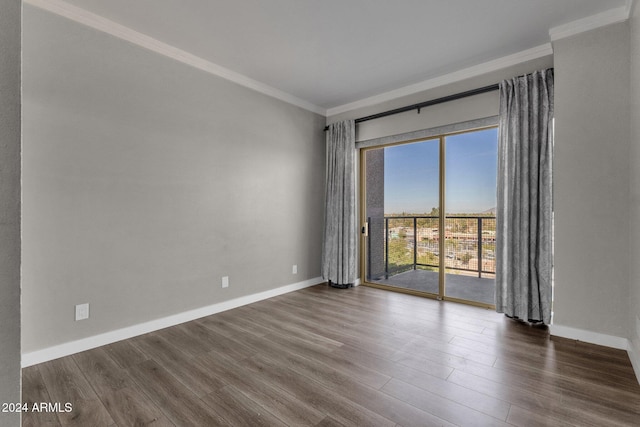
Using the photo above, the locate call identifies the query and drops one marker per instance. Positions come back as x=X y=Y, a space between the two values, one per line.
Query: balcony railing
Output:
x=412 y=242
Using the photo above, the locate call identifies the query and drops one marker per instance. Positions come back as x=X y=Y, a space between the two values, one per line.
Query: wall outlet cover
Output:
x=294 y=269
x=82 y=311
x=225 y=282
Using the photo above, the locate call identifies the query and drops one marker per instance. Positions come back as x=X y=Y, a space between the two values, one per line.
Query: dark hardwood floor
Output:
x=329 y=357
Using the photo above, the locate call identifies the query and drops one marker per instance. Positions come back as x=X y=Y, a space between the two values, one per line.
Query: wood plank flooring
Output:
x=329 y=357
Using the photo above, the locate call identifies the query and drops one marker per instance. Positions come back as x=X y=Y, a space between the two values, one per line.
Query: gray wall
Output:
x=10 y=207
x=591 y=187
x=634 y=255
x=145 y=181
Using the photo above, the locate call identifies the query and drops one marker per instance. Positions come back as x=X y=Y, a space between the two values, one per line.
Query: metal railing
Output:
x=412 y=242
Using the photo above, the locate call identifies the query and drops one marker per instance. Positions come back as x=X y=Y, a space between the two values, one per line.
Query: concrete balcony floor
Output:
x=460 y=286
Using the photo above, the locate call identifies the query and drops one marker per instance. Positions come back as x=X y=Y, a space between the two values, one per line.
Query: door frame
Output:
x=429 y=134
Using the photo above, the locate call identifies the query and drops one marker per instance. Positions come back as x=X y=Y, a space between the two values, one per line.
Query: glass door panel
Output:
x=402 y=212
x=470 y=225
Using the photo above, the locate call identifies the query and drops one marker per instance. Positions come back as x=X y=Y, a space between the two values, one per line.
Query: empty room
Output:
x=319 y=213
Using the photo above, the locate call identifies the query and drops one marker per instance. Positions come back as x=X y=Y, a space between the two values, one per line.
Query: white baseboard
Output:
x=601 y=339
x=66 y=349
x=589 y=336
x=634 y=355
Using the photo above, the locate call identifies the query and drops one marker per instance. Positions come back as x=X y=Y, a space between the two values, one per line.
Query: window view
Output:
x=431 y=220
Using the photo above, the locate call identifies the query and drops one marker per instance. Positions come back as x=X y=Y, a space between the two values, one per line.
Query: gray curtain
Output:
x=340 y=230
x=524 y=211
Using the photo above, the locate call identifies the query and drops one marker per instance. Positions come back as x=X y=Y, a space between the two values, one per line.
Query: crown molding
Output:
x=99 y=23
x=107 y=26
x=608 y=17
x=456 y=76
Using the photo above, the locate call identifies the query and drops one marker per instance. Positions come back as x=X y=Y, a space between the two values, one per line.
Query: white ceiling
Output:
x=334 y=52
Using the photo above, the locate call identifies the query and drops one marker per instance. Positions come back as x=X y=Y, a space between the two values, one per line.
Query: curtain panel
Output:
x=340 y=230
x=524 y=211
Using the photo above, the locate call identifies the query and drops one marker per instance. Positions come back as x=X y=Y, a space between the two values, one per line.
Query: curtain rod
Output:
x=420 y=105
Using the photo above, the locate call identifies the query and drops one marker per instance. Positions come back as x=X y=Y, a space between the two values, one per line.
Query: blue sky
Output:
x=411 y=174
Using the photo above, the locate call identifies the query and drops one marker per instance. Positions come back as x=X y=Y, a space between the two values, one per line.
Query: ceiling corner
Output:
x=608 y=17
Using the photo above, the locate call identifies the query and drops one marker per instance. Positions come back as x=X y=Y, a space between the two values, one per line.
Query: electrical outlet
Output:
x=638 y=326
x=225 y=282
x=294 y=269
x=82 y=311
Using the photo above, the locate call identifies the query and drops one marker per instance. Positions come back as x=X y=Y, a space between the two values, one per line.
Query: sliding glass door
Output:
x=429 y=216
